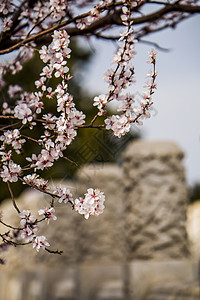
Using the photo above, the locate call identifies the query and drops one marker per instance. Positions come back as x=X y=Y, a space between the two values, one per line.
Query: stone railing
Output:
x=137 y=249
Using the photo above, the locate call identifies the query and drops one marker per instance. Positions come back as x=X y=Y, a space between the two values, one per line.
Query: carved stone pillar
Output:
x=156 y=200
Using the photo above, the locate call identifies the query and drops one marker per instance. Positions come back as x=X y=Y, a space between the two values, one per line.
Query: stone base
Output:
x=138 y=280
x=160 y=280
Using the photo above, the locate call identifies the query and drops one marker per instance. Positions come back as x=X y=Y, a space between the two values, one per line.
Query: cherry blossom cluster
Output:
x=122 y=76
x=59 y=130
x=92 y=204
x=6 y=9
x=94 y=14
x=27 y=26
x=15 y=65
x=24 y=19
x=42 y=15
x=30 y=227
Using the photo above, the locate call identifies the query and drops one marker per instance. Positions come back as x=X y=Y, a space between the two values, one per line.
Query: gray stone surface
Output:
x=101 y=281
x=157 y=278
x=102 y=238
x=193 y=228
x=129 y=252
x=173 y=291
x=111 y=289
x=156 y=200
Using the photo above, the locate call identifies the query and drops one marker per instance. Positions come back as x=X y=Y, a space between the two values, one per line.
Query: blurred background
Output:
x=176 y=100
x=139 y=248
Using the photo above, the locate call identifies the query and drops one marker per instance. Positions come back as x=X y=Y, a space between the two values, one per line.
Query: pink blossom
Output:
x=119 y=124
x=5 y=156
x=40 y=242
x=26 y=218
x=44 y=55
x=14 y=90
x=10 y=172
x=12 y=137
x=48 y=214
x=28 y=233
x=44 y=160
x=64 y=194
x=7 y=23
x=100 y=101
x=23 y=112
x=35 y=180
x=152 y=56
x=41 y=83
x=92 y=204
x=6 y=110
x=58 y=8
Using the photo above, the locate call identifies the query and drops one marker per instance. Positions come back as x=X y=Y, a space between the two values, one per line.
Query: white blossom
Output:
x=14 y=90
x=92 y=204
x=23 y=112
x=64 y=194
x=10 y=172
x=48 y=213
x=59 y=130
x=40 y=242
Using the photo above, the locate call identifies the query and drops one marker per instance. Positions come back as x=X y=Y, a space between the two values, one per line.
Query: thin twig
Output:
x=37 y=24
x=13 y=200
x=8 y=126
x=54 y=252
x=71 y=161
x=44 y=191
x=42 y=33
x=110 y=19
x=12 y=242
x=9 y=226
x=91 y=126
x=29 y=138
x=154 y=45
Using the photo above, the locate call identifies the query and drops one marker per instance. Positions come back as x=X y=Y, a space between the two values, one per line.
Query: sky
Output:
x=176 y=107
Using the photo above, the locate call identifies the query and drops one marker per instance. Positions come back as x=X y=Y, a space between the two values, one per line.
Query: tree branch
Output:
x=13 y=200
x=106 y=21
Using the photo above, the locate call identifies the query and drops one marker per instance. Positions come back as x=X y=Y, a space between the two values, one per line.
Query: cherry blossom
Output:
x=45 y=26
x=6 y=7
x=92 y=204
x=6 y=24
x=64 y=194
x=30 y=226
x=23 y=112
x=26 y=217
x=10 y=172
x=60 y=129
x=14 y=90
x=58 y=7
x=100 y=101
x=35 y=180
x=48 y=213
x=12 y=137
x=40 y=242
x=27 y=234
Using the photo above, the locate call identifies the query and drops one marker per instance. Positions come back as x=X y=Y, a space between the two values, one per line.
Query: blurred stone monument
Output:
x=156 y=200
x=137 y=249
x=193 y=228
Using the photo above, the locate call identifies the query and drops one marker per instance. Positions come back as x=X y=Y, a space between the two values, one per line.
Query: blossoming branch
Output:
x=47 y=27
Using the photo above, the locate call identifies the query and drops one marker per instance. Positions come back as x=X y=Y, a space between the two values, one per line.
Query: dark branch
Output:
x=12 y=197
x=103 y=23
